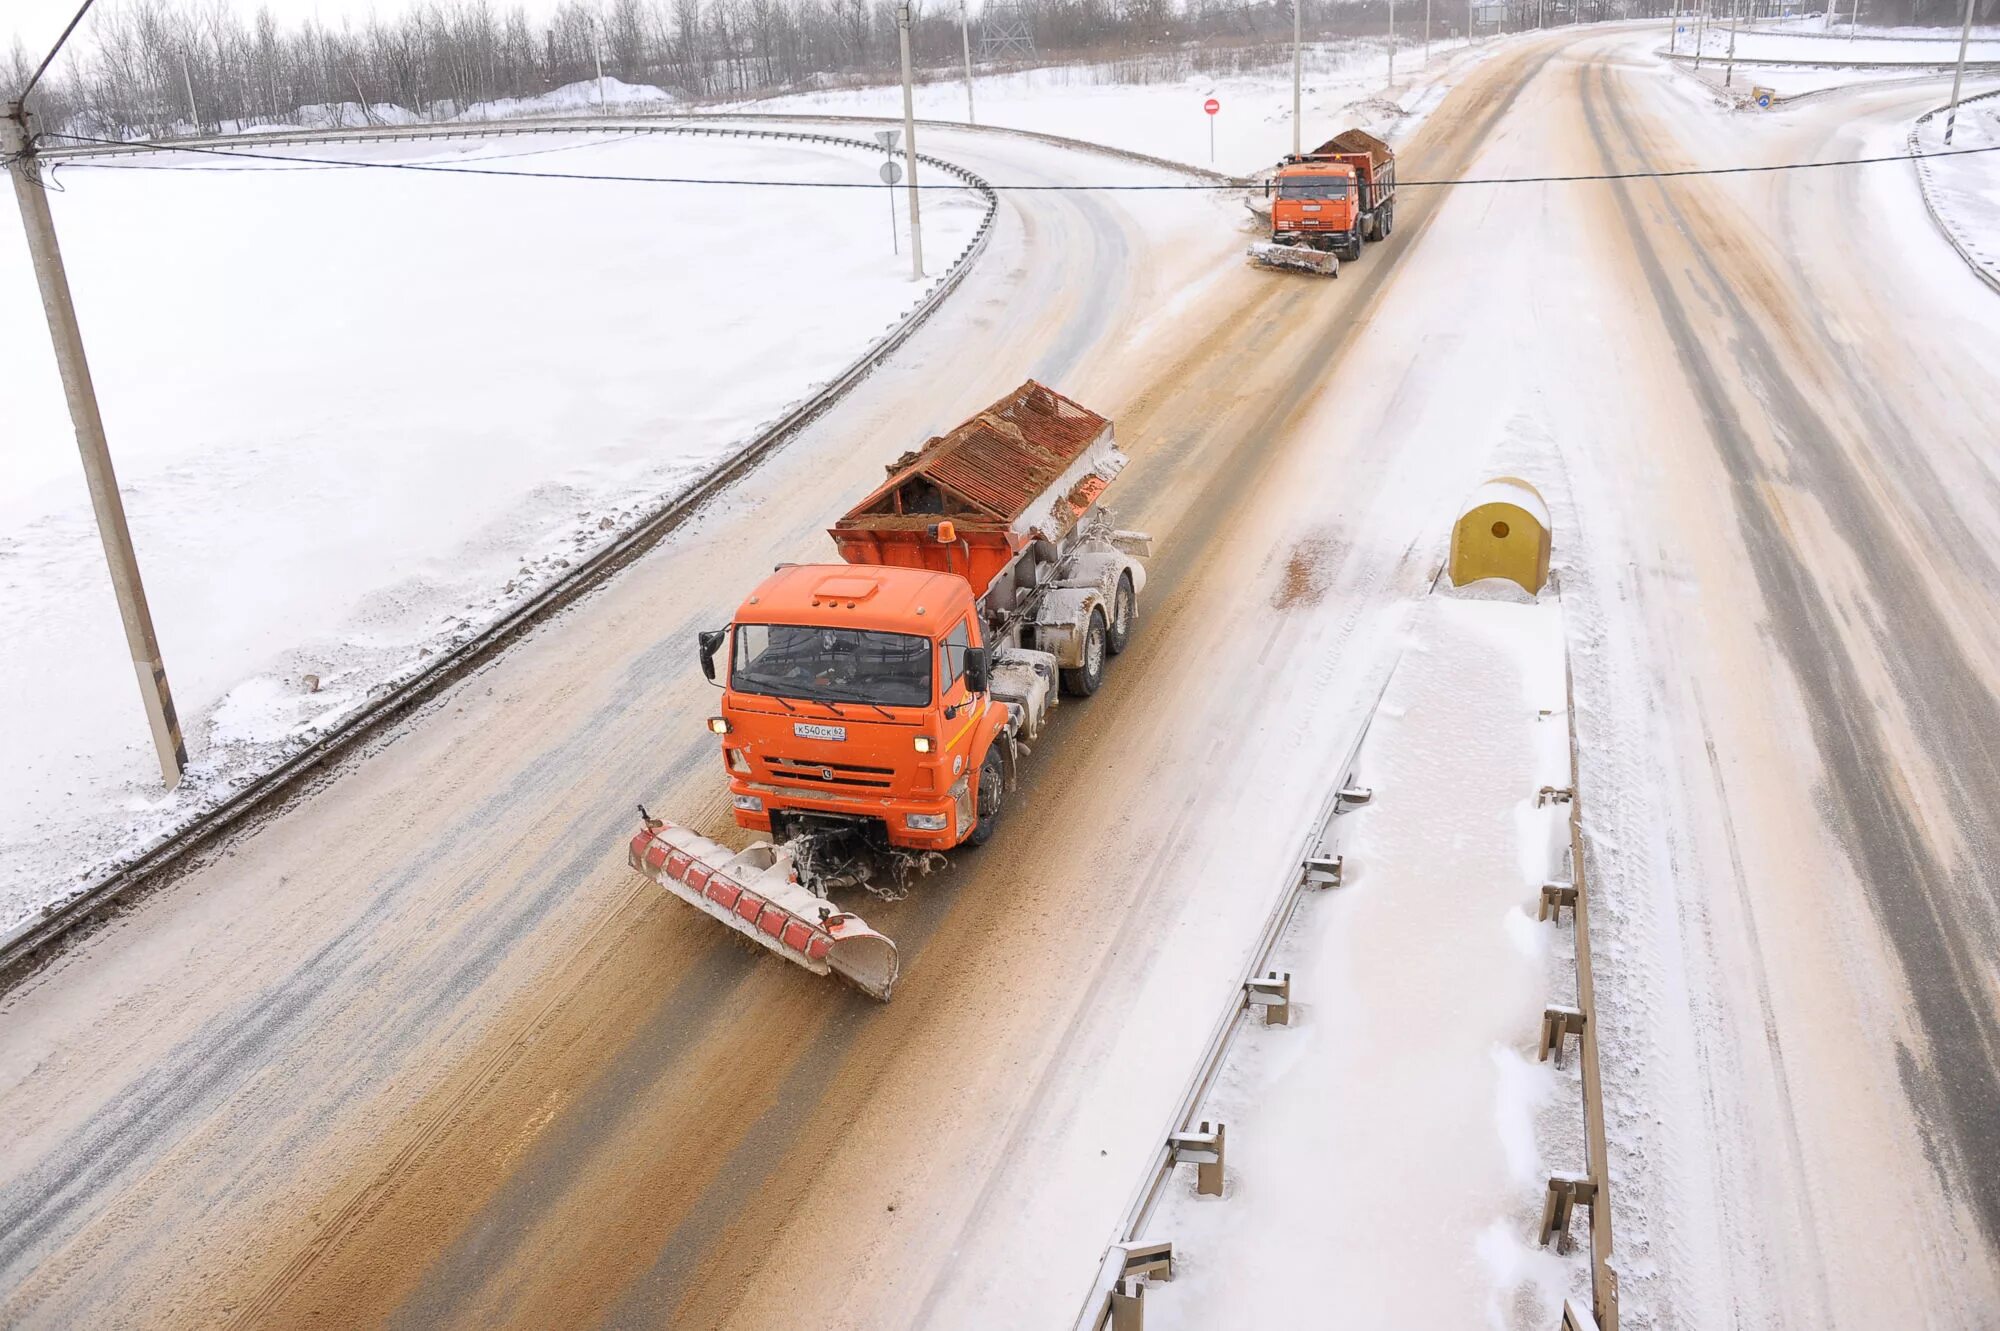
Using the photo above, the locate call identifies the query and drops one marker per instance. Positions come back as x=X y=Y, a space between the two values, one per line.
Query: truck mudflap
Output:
x=756 y=893
x=1299 y=258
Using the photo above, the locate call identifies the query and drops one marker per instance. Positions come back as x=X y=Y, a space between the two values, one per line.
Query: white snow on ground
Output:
x=1965 y=190
x=1387 y=1152
x=1794 y=63
x=357 y=414
x=1345 y=85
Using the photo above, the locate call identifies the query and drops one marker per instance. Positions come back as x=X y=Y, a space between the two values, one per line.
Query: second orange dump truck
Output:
x=1325 y=203
x=875 y=711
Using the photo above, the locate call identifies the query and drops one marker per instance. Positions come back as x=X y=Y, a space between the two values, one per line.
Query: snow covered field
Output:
x=356 y=414
x=1345 y=84
x=1965 y=190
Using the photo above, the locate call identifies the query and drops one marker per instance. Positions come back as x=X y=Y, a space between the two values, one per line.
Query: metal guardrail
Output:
x=1127 y=1247
x=1987 y=271
x=1603 y=1276
x=29 y=942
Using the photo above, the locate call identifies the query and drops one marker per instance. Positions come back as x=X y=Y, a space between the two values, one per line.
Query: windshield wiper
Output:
x=844 y=696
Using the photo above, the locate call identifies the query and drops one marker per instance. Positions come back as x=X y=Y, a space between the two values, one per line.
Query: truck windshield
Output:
x=1313 y=187
x=832 y=664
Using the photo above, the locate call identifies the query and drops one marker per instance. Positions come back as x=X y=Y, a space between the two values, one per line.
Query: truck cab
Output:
x=1317 y=204
x=855 y=699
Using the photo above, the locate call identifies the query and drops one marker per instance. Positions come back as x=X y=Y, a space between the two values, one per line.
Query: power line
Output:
x=743 y=183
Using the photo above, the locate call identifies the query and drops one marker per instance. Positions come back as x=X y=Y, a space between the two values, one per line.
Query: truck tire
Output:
x=1124 y=609
x=1388 y=222
x=992 y=789
x=1087 y=678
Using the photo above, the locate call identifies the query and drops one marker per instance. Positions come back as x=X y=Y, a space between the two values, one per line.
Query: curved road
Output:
x=423 y=1051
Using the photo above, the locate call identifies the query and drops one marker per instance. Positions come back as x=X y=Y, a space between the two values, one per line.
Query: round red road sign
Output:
x=1211 y=106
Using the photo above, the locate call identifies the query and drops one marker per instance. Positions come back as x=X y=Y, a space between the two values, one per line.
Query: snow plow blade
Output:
x=1299 y=258
x=756 y=893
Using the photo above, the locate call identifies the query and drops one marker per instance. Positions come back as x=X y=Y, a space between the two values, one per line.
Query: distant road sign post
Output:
x=1212 y=107
x=891 y=172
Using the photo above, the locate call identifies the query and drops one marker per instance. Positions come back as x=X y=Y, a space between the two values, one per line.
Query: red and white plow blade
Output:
x=755 y=893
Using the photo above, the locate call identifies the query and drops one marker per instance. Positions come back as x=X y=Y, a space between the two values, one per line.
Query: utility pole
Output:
x=965 y=40
x=1298 y=149
x=597 y=50
x=1729 y=70
x=910 y=144
x=1392 y=45
x=187 y=81
x=1958 y=75
x=17 y=147
x=1427 y=34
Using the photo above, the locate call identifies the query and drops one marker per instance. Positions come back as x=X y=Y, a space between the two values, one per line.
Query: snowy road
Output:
x=423 y=1051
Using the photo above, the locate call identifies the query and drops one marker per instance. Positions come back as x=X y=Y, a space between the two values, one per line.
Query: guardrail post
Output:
x=1554 y=795
x=1353 y=797
x=1554 y=897
x=1577 y=1319
x=1128 y=1306
x=1323 y=871
x=1565 y=1191
x=1203 y=1150
x=1558 y=1024
x=1273 y=993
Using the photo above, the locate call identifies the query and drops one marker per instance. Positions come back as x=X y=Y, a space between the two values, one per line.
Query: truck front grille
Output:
x=831 y=774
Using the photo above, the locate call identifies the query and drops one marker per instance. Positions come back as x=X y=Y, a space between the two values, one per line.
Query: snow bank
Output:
x=1964 y=191
x=1388 y=1151
x=359 y=414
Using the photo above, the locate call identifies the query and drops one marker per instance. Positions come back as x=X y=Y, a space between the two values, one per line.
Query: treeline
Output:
x=157 y=67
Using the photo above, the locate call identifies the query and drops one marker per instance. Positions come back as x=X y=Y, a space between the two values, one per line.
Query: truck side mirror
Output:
x=978 y=669
x=711 y=643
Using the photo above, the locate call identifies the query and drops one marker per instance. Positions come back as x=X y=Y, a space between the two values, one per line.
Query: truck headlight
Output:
x=718 y=725
x=926 y=822
x=925 y=744
x=750 y=803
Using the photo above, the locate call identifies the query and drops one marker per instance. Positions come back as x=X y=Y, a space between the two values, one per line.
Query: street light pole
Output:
x=1958 y=75
x=1392 y=45
x=1297 y=147
x=17 y=147
x=1729 y=70
x=965 y=40
x=910 y=145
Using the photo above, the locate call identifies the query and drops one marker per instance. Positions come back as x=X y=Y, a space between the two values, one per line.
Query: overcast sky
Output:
x=39 y=22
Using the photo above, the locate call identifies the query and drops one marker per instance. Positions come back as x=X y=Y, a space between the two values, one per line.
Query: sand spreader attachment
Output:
x=1298 y=258
x=756 y=892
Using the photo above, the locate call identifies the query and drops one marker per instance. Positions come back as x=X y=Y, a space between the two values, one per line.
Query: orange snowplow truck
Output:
x=876 y=712
x=1330 y=200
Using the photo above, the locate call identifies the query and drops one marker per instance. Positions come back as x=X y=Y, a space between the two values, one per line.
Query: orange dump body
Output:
x=920 y=550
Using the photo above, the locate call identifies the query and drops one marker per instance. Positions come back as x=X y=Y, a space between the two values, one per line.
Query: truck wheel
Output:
x=1388 y=222
x=992 y=789
x=1124 y=609
x=1088 y=677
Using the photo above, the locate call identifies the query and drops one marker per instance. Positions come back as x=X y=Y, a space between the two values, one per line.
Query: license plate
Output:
x=806 y=730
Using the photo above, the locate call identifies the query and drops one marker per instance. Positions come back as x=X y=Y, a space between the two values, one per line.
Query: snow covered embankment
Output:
x=1346 y=85
x=360 y=414
x=1388 y=1151
x=1963 y=192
